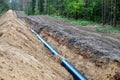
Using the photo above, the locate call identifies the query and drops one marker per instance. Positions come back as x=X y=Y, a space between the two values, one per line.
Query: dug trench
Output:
x=94 y=64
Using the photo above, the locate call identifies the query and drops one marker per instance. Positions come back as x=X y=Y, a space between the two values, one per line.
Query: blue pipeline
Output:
x=75 y=73
x=70 y=68
x=45 y=43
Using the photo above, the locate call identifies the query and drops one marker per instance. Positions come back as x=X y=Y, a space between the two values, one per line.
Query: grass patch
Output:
x=0 y=14
x=107 y=29
x=75 y=22
x=58 y=17
x=81 y=22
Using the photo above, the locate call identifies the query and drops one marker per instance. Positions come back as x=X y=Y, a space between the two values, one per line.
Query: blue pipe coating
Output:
x=76 y=74
x=45 y=43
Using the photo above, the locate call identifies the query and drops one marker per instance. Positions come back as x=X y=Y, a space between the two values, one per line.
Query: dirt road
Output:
x=22 y=56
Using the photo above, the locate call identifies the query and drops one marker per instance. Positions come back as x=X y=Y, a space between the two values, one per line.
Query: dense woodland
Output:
x=3 y=6
x=101 y=11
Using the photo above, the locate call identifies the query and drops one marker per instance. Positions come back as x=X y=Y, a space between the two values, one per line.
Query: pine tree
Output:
x=37 y=7
x=115 y=13
x=103 y=12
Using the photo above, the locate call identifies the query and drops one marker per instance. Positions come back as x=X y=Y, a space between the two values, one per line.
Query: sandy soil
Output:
x=22 y=56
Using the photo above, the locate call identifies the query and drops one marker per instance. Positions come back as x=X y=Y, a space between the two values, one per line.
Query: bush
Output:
x=107 y=29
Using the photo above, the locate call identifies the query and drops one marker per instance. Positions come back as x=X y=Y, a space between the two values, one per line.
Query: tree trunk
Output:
x=45 y=6
x=115 y=13
x=111 y=15
x=103 y=12
x=87 y=3
x=48 y=7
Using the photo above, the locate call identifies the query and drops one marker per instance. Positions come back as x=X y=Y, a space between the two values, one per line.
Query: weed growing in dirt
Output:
x=58 y=17
x=107 y=29
x=75 y=22
x=82 y=22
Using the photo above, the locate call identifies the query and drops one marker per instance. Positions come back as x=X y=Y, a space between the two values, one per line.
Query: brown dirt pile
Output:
x=22 y=56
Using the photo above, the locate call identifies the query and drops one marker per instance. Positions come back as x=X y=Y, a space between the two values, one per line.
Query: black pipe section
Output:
x=45 y=43
x=70 y=68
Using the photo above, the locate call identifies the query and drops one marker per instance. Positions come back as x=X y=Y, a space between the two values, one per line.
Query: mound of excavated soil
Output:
x=96 y=55
x=22 y=56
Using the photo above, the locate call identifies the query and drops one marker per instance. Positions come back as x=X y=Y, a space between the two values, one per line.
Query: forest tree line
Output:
x=102 y=11
x=3 y=6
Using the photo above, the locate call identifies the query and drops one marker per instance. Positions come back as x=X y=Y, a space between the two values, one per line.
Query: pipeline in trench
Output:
x=88 y=64
x=65 y=63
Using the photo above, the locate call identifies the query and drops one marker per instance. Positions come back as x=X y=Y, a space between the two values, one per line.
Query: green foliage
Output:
x=45 y=6
x=88 y=10
x=75 y=22
x=28 y=10
x=92 y=10
x=75 y=8
x=82 y=22
x=52 y=8
x=58 y=17
x=14 y=5
x=37 y=7
x=3 y=6
x=107 y=29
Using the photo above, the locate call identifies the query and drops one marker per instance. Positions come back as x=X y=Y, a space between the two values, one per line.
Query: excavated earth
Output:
x=95 y=54
x=22 y=56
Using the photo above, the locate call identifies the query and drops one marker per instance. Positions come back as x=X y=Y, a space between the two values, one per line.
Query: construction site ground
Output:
x=24 y=57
